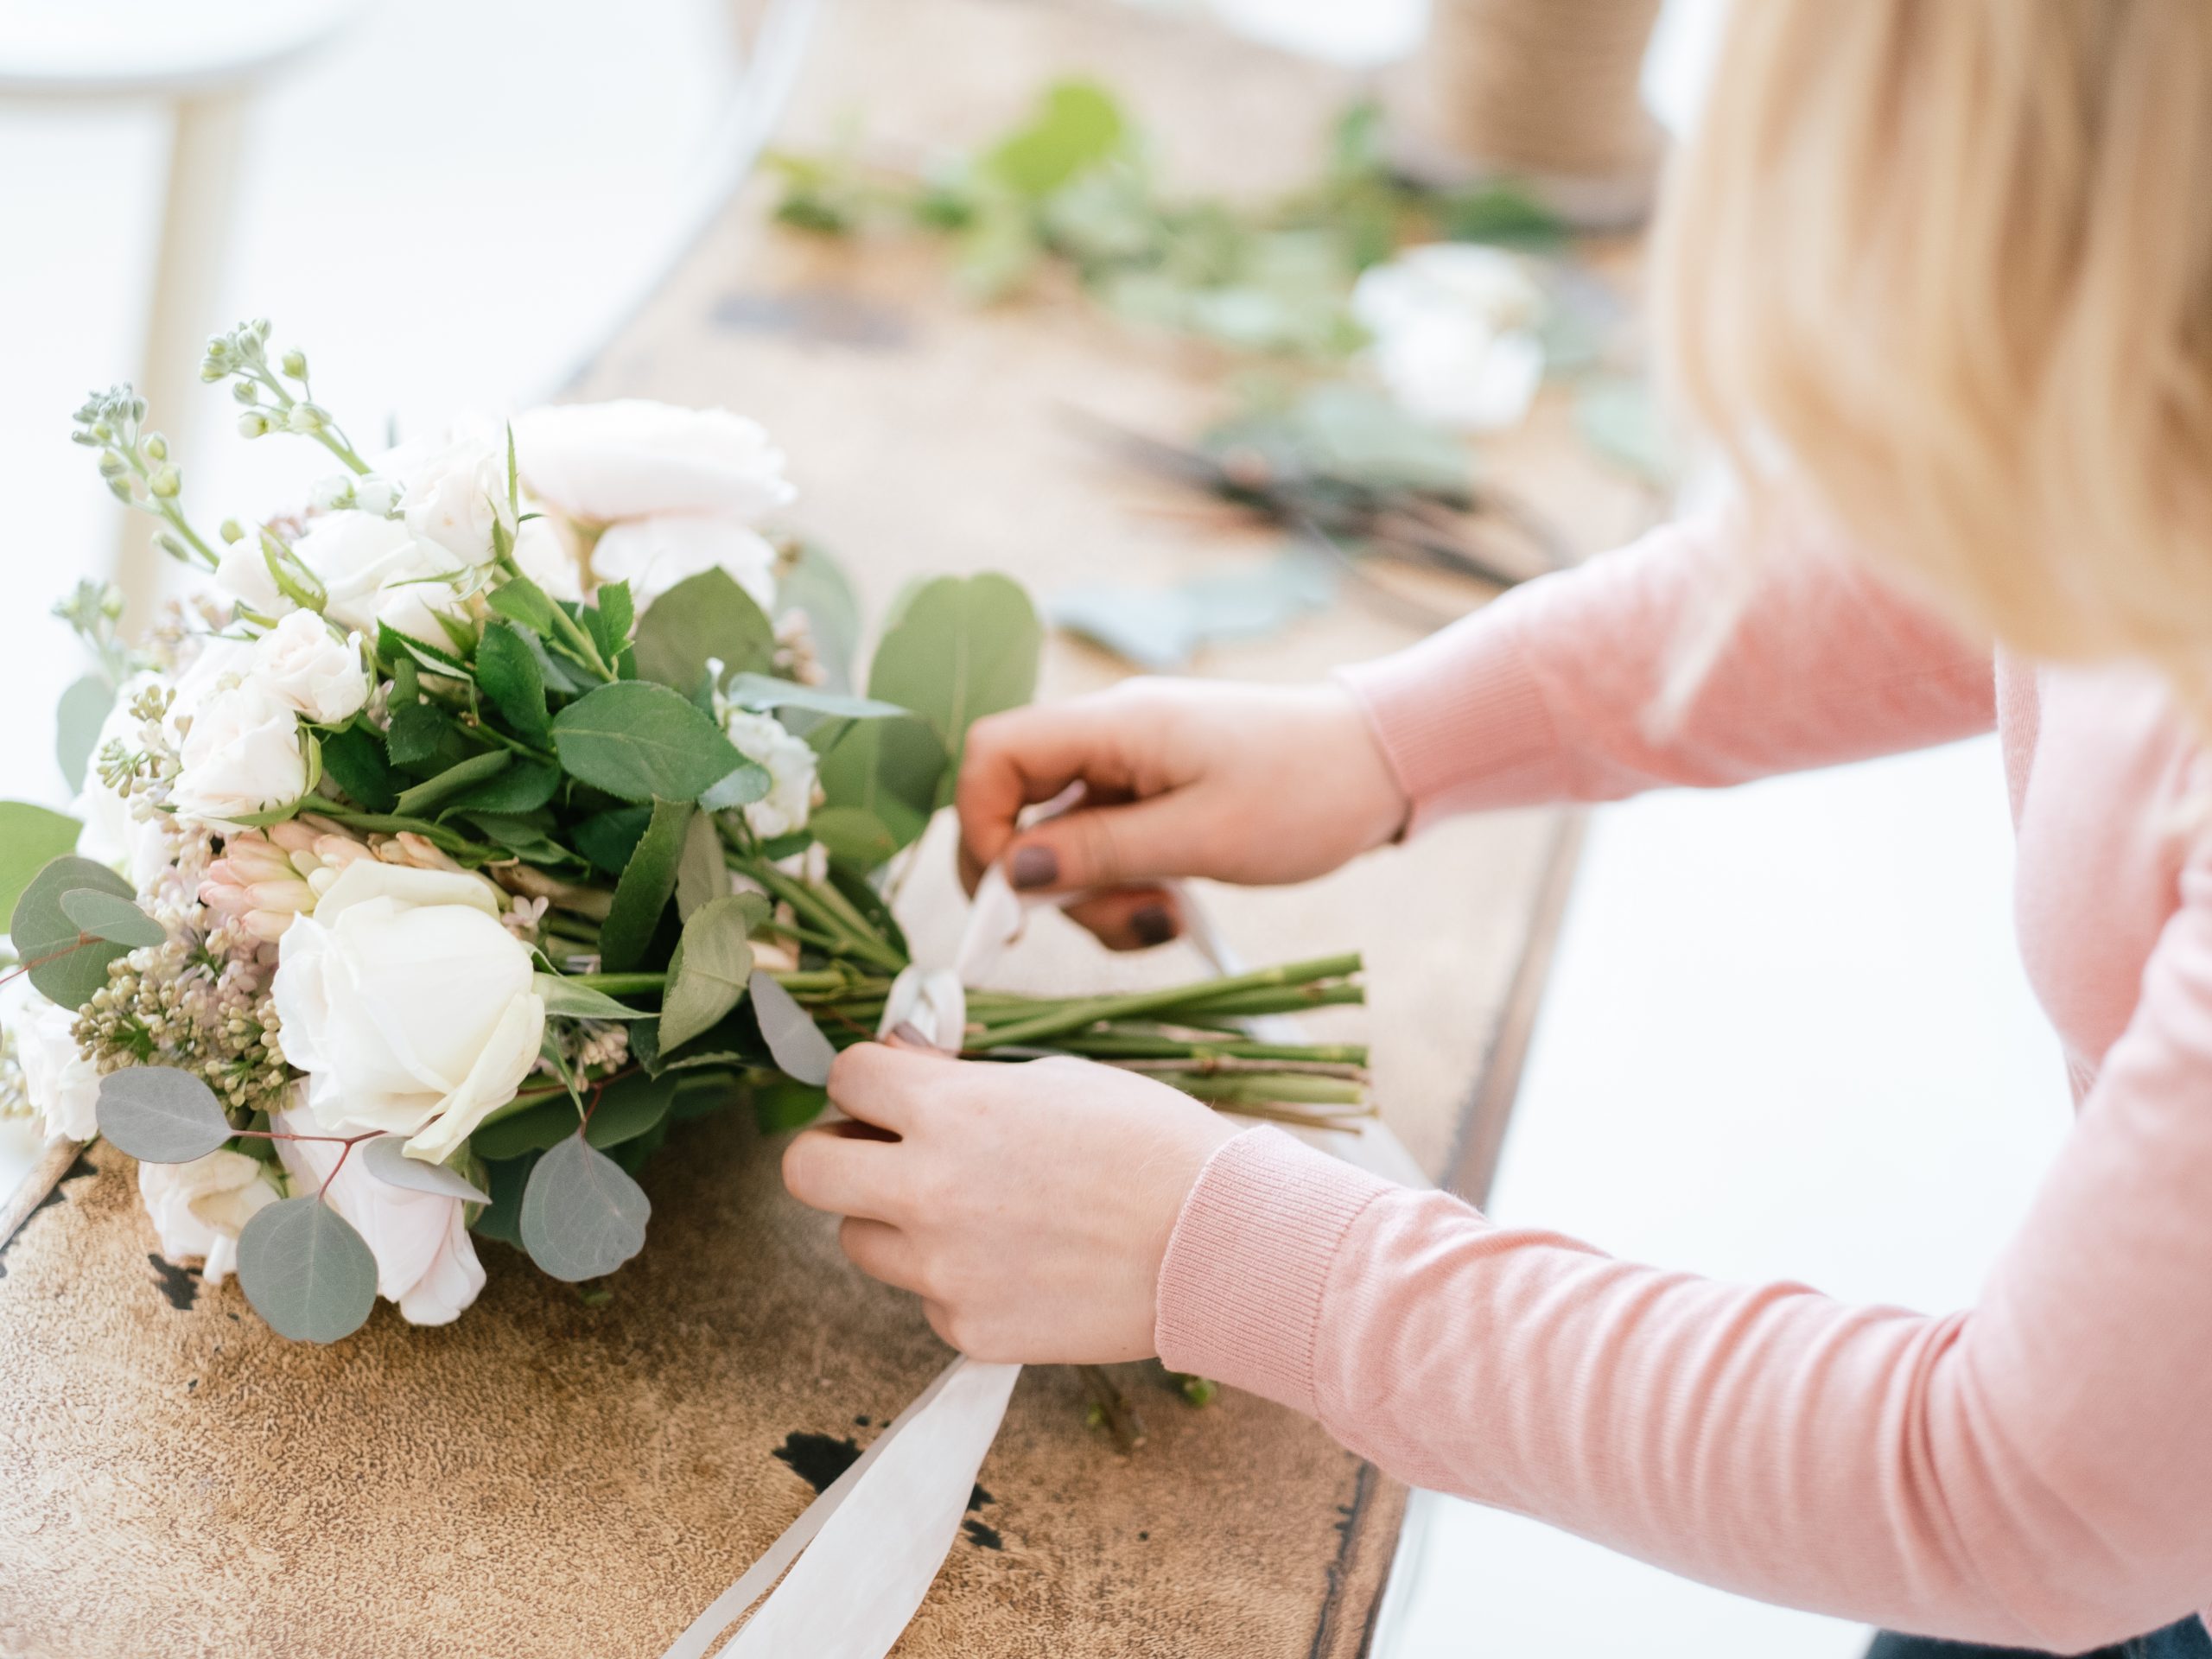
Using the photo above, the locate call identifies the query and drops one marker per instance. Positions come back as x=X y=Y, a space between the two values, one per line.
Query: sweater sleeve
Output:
x=1559 y=690
x=2035 y=1471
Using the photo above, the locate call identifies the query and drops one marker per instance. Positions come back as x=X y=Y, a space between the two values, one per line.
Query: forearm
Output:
x=1616 y=676
x=1851 y=1461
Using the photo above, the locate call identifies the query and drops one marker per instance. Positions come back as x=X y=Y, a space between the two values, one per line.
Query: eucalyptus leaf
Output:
x=31 y=837
x=642 y=891
x=702 y=616
x=815 y=585
x=747 y=782
x=853 y=835
x=84 y=710
x=763 y=692
x=566 y=1000
x=889 y=770
x=306 y=1271
x=109 y=917
x=963 y=648
x=628 y=1108
x=702 y=874
x=65 y=966
x=800 y=1049
x=707 y=975
x=387 y=1160
x=582 y=1216
x=160 y=1115
x=641 y=742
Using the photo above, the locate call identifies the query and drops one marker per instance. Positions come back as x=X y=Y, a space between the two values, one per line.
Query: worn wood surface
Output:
x=546 y=1479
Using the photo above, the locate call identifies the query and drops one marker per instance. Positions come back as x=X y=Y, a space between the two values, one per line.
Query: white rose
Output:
x=241 y=755
x=198 y=1208
x=634 y=458
x=303 y=665
x=1454 y=334
x=789 y=762
x=545 y=553
x=408 y=1004
x=425 y=1259
x=62 y=1085
x=456 y=488
x=376 y=570
x=242 y=572
x=652 y=554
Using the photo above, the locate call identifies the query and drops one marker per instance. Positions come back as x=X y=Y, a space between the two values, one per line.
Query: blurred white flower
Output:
x=242 y=571
x=653 y=554
x=408 y=1004
x=1453 y=326
x=318 y=674
x=241 y=755
x=198 y=1208
x=62 y=1085
x=791 y=765
x=602 y=463
x=674 y=491
x=376 y=569
x=455 y=486
x=425 y=1259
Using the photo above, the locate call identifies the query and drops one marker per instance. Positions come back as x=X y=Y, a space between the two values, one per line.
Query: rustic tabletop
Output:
x=544 y=1478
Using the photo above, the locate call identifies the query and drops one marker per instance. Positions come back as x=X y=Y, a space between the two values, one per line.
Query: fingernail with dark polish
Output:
x=1152 y=924
x=1034 y=867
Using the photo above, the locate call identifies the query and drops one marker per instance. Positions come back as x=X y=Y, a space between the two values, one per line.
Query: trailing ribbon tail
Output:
x=856 y=1563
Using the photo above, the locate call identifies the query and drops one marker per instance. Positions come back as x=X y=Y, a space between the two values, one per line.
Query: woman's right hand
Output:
x=1255 y=785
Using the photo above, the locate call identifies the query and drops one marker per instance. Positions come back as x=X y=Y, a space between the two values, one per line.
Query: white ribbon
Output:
x=867 y=1549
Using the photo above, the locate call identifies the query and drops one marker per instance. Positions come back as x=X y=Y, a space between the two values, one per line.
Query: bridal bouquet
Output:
x=469 y=830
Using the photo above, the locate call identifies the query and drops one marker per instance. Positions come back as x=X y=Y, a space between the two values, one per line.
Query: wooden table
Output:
x=547 y=1478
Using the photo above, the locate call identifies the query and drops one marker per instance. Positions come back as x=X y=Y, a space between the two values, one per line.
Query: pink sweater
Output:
x=2034 y=1470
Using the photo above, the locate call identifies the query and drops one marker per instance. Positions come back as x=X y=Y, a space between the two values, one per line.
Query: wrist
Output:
x=1366 y=786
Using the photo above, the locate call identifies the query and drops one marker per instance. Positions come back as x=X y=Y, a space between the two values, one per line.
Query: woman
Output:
x=1939 y=276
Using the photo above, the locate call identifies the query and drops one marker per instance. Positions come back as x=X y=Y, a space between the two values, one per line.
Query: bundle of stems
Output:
x=1190 y=1036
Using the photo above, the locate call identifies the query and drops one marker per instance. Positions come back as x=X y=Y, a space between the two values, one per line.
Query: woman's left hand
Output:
x=1029 y=1205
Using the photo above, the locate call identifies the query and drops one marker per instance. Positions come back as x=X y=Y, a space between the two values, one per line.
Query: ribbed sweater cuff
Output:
x=1462 y=721
x=1249 y=1263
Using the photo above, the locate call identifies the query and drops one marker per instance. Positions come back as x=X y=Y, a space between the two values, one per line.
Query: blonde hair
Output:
x=1945 y=267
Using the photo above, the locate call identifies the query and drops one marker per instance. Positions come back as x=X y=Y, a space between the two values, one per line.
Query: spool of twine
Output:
x=1544 y=91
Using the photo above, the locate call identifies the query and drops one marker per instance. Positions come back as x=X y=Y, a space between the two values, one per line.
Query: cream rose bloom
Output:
x=426 y=1262
x=408 y=1004
x=241 y=755
x=62 y=1085
x=791 y=764
x=673 y=491
x=376 y=570
x=302 y=663
x=455 y=487
x=200 y=1208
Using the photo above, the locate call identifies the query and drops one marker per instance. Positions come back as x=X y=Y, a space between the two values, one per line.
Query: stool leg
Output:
x=198 y=218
